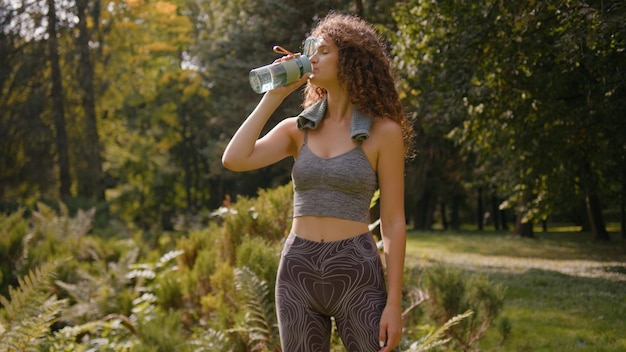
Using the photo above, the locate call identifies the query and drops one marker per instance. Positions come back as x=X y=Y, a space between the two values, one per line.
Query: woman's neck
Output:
x=339 y=106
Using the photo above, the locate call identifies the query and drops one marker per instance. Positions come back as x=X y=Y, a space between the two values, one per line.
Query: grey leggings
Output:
x=319 y=280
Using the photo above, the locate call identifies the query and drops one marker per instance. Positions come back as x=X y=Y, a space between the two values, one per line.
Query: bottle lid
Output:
x=310 y=46
x=306 y=64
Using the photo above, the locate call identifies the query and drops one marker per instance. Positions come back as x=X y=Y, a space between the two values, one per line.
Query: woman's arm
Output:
x=246 y=151
x=393 y=228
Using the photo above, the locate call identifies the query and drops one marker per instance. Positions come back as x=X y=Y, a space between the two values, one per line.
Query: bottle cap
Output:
x=306 y=64
x=310 y=46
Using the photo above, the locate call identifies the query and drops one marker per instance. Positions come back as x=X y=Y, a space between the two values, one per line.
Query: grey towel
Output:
x=359 y=126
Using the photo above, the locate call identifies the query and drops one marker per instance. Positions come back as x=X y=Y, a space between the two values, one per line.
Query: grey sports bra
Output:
x=340 y=187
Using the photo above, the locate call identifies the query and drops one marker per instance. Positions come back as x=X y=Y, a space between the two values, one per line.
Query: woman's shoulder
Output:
x=386 y=128
x=385 y=137
x=288 y=124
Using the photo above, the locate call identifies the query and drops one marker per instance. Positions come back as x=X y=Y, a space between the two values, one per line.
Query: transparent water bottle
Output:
x=280 y=73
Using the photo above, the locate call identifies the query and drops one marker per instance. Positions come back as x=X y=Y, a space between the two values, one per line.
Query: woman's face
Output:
x=325 y=64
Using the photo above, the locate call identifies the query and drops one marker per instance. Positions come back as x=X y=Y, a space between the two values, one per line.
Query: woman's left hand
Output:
x=390 y=328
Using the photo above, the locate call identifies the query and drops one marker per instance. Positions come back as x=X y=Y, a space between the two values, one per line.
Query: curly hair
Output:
x=364 y=68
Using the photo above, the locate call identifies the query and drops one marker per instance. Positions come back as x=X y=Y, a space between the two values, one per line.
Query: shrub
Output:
x=266 y=216
x=13 y=242
x=261 y=257
x=453 y=292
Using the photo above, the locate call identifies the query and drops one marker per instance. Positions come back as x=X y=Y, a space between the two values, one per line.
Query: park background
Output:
x=114 y=116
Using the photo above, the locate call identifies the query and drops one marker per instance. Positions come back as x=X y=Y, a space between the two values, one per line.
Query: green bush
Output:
x=214 y=291
x=13 y=243
x=453 y=292
x=261 y=257
x=266 y=216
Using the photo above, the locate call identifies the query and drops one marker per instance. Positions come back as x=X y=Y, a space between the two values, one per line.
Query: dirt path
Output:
x=612 y=270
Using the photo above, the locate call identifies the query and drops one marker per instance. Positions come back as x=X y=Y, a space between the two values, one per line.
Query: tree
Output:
x=526 y=102
x=26 y=132
x=432 y=51
x=91 y=180
x=155 y=109
x=58 y=108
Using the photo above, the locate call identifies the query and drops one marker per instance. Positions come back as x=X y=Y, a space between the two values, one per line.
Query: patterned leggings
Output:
x=319 y=280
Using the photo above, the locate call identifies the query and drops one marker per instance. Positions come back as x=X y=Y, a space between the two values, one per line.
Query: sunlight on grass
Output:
x=565 y=292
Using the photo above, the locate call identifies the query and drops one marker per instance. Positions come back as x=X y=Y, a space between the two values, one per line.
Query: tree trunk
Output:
x=358 y=4
x=444 y=217
x=623 y=216
x=504 y=220
x=480 y=212
x=57 y=101
x=424 y=211
x=594 y=212
x=523 y=229
x=582 y=217
x=93 y=185
x=593 y=205
x=495 y=210
x=623 y=204
x=455 y=213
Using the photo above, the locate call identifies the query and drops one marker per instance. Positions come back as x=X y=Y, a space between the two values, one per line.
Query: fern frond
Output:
x=26 y=299
x=211 y=340
x=260 y=321
x=435 y=339
x=31 y=310
x=170 y=255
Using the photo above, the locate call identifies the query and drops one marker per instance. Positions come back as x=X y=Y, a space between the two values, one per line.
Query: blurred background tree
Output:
x=127 y=106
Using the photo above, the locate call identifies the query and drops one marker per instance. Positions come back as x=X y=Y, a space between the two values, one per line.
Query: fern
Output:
x=30 y=312
x=435 y=338
x=260 y=322
x=210 y=340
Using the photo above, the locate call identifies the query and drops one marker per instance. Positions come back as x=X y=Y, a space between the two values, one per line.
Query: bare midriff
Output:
x=327 y=229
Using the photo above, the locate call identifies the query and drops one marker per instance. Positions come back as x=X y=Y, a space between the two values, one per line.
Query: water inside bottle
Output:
x=267 y=78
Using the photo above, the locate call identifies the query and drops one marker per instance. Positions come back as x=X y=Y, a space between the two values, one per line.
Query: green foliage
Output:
x=209 y=340
x=515 y=85
x=272 y=212
x=112 y=333
x=122 y=296
x=259 y=328
x=162 y=333
x=198 y=261
x=452 y=293
x=266 y=216
x=437 y=338
x=26 y=318
x=13 y=245
x=261 y=257
x=154 y=322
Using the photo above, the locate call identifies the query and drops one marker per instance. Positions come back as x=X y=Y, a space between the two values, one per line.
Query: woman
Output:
x=349 y=141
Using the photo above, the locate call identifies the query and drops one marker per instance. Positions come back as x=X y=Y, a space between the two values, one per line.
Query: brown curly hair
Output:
x=364 y=67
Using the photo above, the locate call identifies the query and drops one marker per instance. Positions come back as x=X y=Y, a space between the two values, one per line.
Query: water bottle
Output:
x=279 y=74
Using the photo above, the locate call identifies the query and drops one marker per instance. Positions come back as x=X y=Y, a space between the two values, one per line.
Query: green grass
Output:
x=565 y=291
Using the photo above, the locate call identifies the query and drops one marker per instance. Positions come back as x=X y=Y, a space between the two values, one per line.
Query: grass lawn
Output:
x=565 y=291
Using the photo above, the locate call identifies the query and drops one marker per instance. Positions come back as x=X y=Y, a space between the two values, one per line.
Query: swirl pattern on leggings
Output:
x=319 y=280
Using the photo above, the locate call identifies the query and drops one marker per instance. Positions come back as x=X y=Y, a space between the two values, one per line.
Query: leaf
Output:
x=31 y=310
